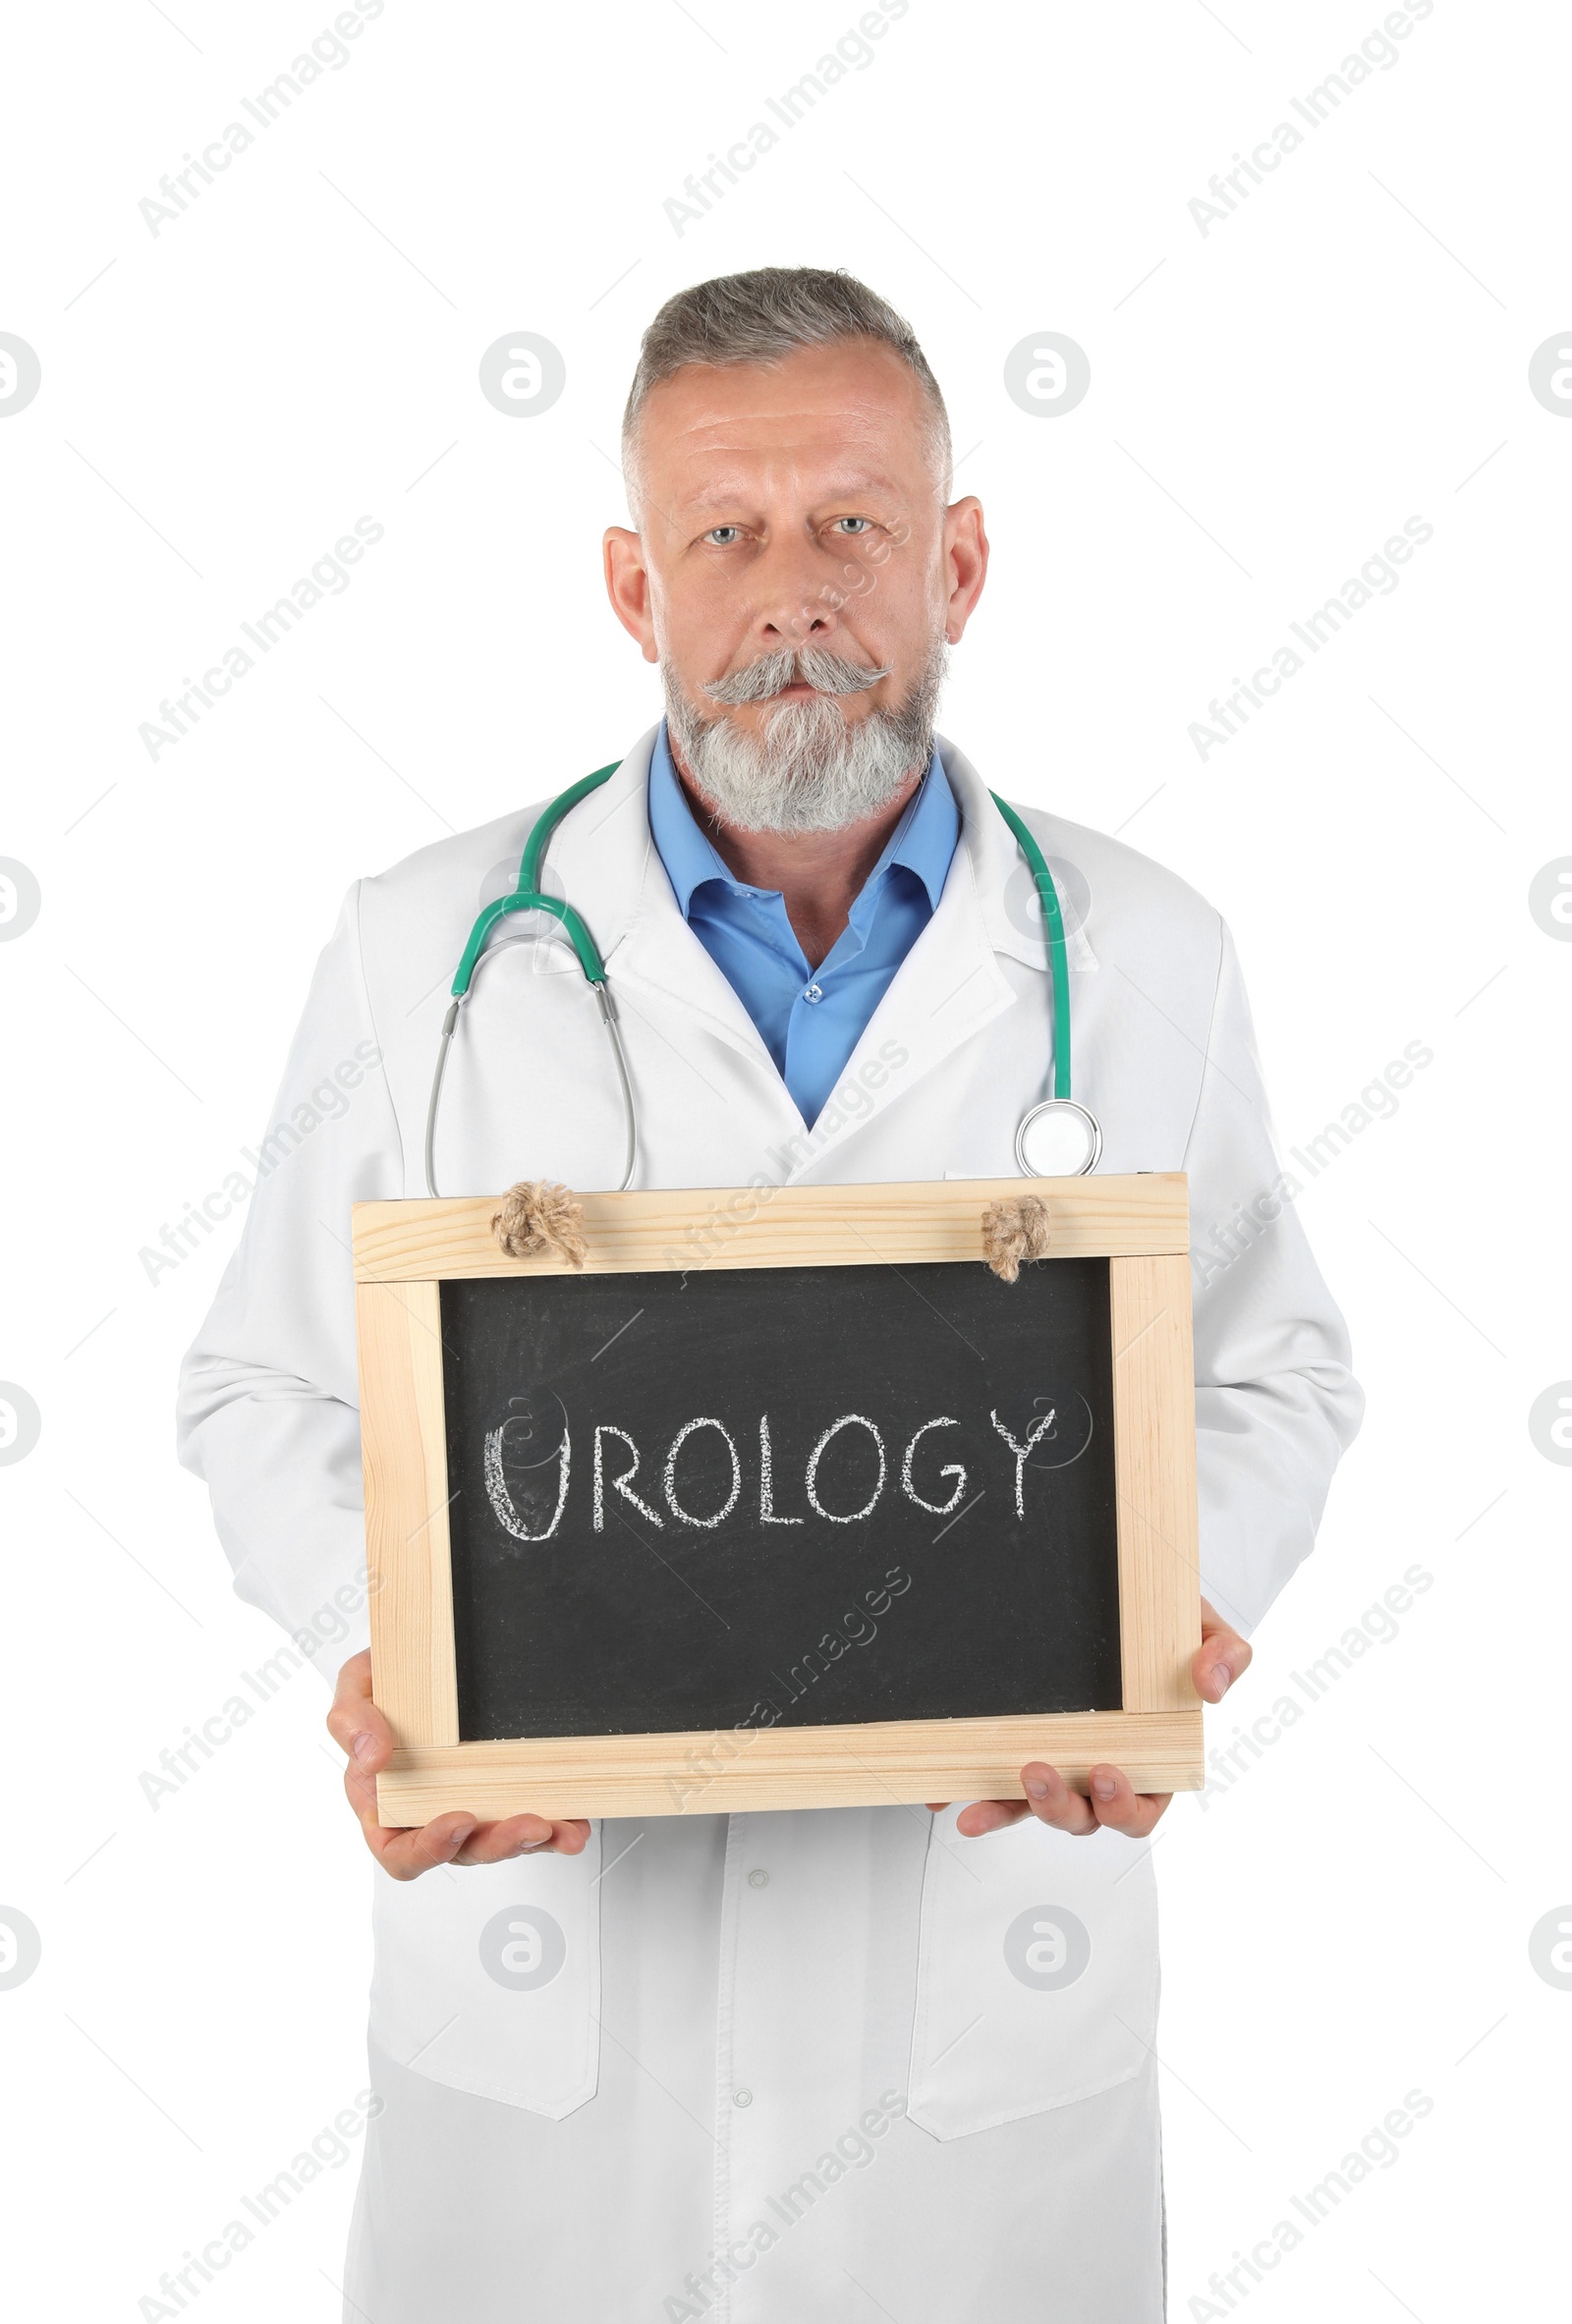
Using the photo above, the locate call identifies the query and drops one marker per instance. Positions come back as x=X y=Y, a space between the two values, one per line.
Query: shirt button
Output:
x=758 y=1879
x=742 y=2097
x=813 y=992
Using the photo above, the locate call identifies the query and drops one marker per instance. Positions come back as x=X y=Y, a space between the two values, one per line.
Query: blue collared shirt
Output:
x=810 y=1020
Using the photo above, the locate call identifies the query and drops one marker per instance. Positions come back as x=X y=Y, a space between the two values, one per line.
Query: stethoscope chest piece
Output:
x=1058 y=1140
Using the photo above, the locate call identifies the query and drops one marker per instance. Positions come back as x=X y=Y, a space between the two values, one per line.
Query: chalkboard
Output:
x=781 y=1498
x=687 y=1500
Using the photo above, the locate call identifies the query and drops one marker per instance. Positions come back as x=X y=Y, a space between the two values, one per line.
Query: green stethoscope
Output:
x=1059 y=1137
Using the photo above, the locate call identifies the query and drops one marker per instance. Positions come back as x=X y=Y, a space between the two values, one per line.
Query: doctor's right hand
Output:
x=358 y=1727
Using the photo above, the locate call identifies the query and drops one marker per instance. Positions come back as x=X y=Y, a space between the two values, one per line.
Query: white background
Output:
x=1269 y=402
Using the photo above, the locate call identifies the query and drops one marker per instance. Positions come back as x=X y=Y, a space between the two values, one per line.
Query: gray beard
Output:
x=806 y=768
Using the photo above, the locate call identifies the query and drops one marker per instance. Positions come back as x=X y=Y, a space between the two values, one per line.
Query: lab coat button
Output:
x=758 y=1879
x=742 y=2097
x=813 y=992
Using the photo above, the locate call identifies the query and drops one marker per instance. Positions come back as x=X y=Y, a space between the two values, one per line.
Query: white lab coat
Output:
x=786 y=2067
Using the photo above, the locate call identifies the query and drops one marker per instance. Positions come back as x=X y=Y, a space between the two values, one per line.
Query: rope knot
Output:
x=539 y=1215
x=1015 y=1231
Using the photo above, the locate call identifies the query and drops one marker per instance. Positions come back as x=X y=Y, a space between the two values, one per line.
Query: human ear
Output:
x=627 y=577
x=965 y=564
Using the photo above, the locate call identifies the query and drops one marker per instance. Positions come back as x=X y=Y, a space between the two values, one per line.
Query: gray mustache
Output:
x=811 y=665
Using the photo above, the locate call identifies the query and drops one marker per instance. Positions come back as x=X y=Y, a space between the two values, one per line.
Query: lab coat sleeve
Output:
x=268 y=1405
x=1276 y=1404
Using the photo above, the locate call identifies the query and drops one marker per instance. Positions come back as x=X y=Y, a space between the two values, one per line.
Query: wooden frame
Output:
x=405 y=1251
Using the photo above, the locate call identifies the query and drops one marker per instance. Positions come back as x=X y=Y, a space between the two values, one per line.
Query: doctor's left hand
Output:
x=1221 y=1657
x=358 y=1727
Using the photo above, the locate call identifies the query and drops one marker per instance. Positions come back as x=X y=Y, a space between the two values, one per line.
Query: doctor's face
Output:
x=797 y=575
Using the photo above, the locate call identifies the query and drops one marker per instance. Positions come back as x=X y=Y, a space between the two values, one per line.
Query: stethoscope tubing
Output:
x=608 y=1018
x=527 y=896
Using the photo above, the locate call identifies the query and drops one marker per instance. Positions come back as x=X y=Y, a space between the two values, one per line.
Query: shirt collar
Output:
x=922 y=842
x=689 y=855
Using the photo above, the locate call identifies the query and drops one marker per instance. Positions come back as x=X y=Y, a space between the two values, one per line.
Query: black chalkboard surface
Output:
x=782 y=1496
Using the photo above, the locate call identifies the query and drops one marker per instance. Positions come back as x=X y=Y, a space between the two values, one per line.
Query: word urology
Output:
x=846 y=1474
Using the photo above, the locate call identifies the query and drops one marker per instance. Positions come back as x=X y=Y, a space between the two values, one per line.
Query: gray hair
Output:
x=762 y=317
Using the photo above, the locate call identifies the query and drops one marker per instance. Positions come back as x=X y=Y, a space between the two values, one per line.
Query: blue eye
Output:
x=723 y=534
x=863 y=522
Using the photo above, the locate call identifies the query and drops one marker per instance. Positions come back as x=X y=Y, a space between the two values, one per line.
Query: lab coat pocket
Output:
x=1036 y=1979
x=488 y=1978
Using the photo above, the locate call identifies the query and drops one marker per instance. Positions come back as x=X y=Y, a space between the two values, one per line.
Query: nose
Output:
x=795 y=601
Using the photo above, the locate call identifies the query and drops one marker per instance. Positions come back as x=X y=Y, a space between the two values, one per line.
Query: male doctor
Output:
x=774 y=2066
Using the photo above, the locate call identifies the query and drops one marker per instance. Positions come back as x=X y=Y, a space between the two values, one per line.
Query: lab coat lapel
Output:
x=607 y=860
x=950 y=983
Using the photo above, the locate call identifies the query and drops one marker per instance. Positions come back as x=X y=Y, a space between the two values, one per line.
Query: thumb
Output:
x=354 y=1722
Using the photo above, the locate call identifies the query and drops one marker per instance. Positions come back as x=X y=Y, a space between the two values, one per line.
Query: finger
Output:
x=1051 y=1800
x=359 y=1790
x=392 y=1845
x=988 y=1815
x=1117 y=1803
x=354 y=1721
x=456 y=1838
x=1221 y=1657
x=360 y=1782
x=935 y=1806
x=521 y=1836
x=407 y=1854
x=510 y=1836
